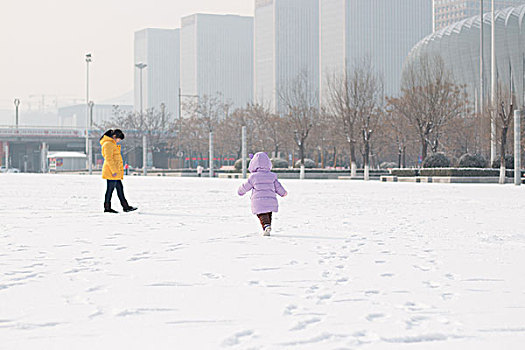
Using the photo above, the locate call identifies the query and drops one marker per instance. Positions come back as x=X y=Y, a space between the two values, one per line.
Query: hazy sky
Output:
x=43 y=42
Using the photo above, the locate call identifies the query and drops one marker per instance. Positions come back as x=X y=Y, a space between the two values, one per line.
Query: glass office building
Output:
x=380 y=31
x=217 y=57
x=160 y=50
x=286 y=47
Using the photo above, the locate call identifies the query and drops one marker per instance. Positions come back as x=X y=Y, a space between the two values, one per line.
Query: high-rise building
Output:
x=447 y=12
x=159 y=49
x=217 y=57
x=380 y=31
x=286 y=47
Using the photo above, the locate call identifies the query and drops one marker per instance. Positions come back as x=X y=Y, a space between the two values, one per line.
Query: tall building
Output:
x=159 y=49
x=380 y=31
x=447 y=12
x=286 y=46
x=217 y=57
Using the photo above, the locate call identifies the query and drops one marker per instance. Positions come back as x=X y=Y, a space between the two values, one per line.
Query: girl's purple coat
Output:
x=264 y=185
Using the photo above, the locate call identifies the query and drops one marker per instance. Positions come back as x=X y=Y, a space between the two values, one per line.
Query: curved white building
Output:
x=459 y=46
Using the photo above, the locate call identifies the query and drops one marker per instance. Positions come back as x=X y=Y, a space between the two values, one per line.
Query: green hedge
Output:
x=438 y=160
x=238 y=164
x=405 y=172
x=454 y=172
x=463 y=172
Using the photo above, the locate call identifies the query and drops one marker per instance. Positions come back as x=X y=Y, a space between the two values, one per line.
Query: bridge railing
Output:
x=35 y=131
x=40 y=132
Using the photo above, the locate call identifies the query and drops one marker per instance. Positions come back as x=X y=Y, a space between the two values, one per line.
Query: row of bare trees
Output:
x=354 y=126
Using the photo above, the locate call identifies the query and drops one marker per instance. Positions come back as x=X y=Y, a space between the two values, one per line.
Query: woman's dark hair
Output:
x=118 y=134
x=108 y=133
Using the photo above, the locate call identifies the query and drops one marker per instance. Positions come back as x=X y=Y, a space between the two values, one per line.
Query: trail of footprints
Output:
x=336 y=269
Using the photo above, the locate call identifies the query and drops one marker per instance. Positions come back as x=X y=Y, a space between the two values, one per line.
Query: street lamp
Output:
x=90 y=145
x=17 y=103
x=88 y=109
x=493 y=88
x=141 y=66
x=91 y=104
x=481 y=76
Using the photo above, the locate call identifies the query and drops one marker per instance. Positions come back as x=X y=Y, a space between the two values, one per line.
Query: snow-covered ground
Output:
x=351 y=265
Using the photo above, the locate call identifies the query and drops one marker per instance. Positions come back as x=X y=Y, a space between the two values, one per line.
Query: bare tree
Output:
x=429 y=100
x=505 y=112
x=396 y=133
x=301 y=104
x=367 y=104
x=209 y=110
x=157 y=125
x=269 y=127
x=342 y=99
x=327 y=138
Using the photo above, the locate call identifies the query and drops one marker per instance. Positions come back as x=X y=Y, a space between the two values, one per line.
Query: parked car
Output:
x=10 y=170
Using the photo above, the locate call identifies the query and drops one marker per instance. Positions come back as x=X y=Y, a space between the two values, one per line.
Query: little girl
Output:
x=264 y=186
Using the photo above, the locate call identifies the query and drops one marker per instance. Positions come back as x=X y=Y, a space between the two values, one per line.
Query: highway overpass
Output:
x=26 y=148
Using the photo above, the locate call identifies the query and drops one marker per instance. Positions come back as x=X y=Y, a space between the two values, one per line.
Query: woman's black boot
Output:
x=107 y=209
x=127 y=208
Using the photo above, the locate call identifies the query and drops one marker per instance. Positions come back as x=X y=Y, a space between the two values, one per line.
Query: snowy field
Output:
x=351 y=265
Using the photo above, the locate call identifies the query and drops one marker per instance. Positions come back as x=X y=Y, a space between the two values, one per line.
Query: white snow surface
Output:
x=350 y=265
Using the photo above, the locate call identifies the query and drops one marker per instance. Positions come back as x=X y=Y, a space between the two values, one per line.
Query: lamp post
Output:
x=493 y=89
x=90 y=144
x=17 y=104
x=88 y=61
x=481 y=76
x=517 y=147
x=244 y=152
x=211 y=155
x=141 y=67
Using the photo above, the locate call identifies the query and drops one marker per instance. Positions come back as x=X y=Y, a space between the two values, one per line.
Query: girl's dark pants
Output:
x=265 y=219
x=115 y=184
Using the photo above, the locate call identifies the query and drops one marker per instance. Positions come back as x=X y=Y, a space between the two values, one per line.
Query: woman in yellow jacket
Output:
x=113 y=169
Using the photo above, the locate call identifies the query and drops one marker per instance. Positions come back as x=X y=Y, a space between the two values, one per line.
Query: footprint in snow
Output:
x=211 y=276
x=431 y=284
x=289 y=309
x=422 y=268
x=375 y=316
x=325 y=297
x=303 y=324
x=447 y=296
x=237 y=337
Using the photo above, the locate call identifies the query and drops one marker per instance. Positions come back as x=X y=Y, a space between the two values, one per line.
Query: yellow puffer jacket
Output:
x=113 y=163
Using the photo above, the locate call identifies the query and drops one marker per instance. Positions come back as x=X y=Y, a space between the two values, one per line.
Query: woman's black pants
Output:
x=115 y=184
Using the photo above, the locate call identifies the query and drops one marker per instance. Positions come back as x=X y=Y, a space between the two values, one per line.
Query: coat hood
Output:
x=260 y=162
x=105 y=139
